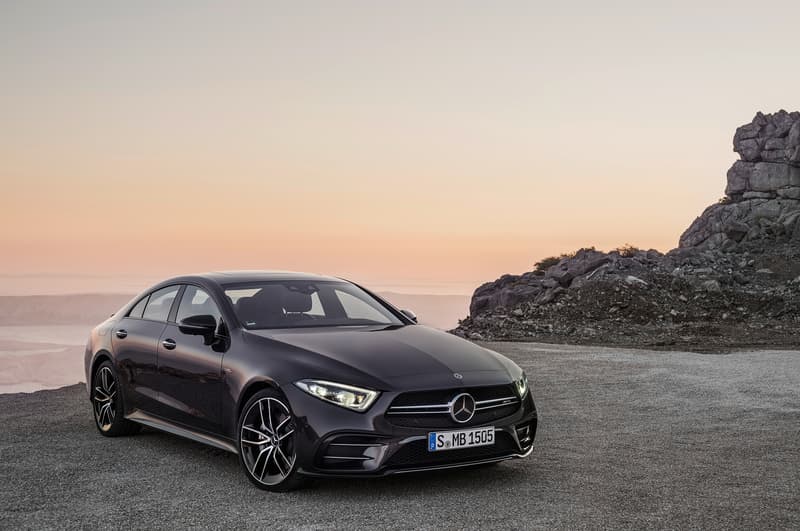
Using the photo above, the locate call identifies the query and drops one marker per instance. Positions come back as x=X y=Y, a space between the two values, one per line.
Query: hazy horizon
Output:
x=407 y=144
x=59 y=284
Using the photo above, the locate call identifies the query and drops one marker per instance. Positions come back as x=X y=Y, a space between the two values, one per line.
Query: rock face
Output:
x=733 y=280
x=762 y=199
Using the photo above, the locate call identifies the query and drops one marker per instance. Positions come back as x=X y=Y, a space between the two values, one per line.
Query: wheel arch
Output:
x=100 y=357
x=251 y=389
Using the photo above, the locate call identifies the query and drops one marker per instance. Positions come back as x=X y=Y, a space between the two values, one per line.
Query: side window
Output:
x=138 y=309
x=160 y=303
x=316 y=306
x=356 y=308
x=196 y=301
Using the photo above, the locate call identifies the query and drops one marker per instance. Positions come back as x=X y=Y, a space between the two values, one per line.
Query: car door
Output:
x=189 y=371
x=135 y=344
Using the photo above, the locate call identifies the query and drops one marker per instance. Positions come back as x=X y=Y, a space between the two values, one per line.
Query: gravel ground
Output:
x=628 y=439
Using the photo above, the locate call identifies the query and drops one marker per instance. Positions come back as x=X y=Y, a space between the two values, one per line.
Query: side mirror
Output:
x=411 y=315
x=200 y=325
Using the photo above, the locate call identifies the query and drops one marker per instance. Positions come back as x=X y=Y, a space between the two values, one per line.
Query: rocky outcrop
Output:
x=539 y=287
x=762 y=198
x=733 y=280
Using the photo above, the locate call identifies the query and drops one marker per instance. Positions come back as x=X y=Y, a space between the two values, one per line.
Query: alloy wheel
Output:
x=103 y=396
x=267 y=441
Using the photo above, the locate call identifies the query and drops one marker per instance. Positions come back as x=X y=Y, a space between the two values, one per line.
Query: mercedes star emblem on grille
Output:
x=462 y=408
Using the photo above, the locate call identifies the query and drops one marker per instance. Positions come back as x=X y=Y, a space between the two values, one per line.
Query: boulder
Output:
x=584 y=261
x=769 y=177
x=739 y=177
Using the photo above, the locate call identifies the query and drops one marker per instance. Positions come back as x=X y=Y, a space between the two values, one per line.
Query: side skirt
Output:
x=159 y=424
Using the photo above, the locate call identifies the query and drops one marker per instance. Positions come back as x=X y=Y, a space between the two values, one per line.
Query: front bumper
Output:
x=335 y=442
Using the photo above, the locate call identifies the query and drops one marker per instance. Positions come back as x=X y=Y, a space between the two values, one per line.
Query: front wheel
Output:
x=107 y=404
x=267 y=438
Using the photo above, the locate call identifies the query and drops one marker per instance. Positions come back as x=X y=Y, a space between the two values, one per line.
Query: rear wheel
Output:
x=267 y=438
x=107 y=404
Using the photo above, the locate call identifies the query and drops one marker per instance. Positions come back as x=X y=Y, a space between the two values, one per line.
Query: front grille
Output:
x=431 y=409
x=416 y=454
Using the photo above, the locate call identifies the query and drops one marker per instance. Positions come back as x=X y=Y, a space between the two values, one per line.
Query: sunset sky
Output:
x=428 y=144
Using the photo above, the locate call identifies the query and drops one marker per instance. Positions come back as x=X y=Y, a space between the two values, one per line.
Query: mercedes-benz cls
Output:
x=304 y=376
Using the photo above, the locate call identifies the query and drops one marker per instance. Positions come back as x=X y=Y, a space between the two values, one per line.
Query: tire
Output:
x=107 y=404
x=269 y=466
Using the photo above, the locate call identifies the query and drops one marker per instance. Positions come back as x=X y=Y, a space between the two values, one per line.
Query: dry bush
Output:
x=627 y=250
x=546 y=263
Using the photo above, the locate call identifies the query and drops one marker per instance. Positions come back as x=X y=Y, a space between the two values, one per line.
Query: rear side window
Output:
x=160 y=303
x=138 y=310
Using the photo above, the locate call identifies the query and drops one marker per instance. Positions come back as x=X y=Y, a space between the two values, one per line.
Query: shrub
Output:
x=546 y=263
x=627 y=250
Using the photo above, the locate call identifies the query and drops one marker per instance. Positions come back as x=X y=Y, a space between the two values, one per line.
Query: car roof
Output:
x=224 y=278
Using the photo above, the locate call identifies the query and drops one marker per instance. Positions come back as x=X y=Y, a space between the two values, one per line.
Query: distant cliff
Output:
x=734 y=280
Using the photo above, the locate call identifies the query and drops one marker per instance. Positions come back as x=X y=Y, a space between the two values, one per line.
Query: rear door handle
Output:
x=122 y=334
x=169 y=344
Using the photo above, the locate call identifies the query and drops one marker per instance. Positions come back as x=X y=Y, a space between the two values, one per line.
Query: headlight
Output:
x=347 y=396
x=522 y=385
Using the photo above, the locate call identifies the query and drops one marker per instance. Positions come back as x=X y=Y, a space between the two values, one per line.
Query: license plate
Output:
x=453 y=440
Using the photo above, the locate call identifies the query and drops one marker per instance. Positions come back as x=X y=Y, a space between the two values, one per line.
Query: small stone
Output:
x=740 y=278
x=711 y=286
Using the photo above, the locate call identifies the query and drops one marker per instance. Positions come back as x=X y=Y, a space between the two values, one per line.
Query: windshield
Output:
x=301 y=304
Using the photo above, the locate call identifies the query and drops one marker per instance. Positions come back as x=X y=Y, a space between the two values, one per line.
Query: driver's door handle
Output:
x=169 y=344
x=122 y=334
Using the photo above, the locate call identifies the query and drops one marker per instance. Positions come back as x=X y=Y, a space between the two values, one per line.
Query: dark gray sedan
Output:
x=302 y=376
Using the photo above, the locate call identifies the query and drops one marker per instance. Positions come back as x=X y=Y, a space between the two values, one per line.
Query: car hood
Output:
x=405 y=357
